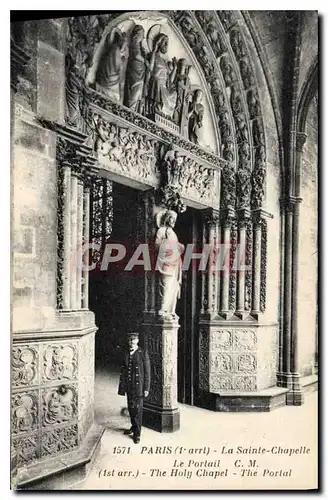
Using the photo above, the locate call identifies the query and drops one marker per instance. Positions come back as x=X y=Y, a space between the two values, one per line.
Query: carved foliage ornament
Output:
x=228 y=186
x=24 y=365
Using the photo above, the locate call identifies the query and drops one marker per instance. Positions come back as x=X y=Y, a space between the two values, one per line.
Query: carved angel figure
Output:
x=217 y=43
x=246 y=73
x=109 y=71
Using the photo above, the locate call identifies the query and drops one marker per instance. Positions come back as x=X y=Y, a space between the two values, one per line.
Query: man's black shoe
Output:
x=136 y=439
x=128 y=431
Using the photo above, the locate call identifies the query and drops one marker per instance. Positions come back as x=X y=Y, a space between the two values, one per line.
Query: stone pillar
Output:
x=211 y=273
x=284 y=377
x=295 y=396
x=86 y=236
x=161 y=411
x=243 y=217
x=66 y=237
x=79 y=242
x=257 y=236
x=227 y=218
x=73 y=256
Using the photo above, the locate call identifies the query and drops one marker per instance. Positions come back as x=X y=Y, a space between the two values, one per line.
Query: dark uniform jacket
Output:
x=140 y=374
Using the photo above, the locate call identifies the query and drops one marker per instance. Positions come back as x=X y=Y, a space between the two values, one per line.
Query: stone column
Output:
x=73 y=246
x=79 y=242
x=257 y=236
x=66 y=237
x=161 y=411
x=86 y=236
x=227 y=217
x=284 y=377
x=295 y=396
x=211 y=284
x=147 y=232
x=243 y=217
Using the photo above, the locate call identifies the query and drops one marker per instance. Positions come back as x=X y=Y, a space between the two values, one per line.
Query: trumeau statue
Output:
x=168 y=263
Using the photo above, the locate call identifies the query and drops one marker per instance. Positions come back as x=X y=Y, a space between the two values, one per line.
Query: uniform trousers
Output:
x=135 y=404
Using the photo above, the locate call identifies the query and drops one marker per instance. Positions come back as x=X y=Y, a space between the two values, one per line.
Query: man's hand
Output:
x=146 y=394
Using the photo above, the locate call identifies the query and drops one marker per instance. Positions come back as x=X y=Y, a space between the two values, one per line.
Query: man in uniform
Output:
x=135 y=383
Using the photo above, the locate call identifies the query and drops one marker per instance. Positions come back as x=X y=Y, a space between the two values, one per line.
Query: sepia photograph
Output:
x=164 y=250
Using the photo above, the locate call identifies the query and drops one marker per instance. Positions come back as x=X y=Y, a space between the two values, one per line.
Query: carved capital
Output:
x=211 y=217
x=243 y=216
x=259 y=215
x=300 y=141
x=227 y=217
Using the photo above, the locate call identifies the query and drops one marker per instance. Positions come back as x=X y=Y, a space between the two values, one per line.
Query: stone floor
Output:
x=204 y=437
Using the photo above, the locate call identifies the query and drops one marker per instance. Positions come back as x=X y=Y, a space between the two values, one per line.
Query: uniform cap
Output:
x=132 y=335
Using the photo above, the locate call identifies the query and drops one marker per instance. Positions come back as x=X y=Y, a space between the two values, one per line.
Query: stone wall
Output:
x=307 y=293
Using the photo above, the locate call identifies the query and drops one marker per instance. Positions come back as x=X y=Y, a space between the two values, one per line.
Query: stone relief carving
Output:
x=243 y=185
x=258 y=178
x=24 y=412
x=223 y=362
x=221 y=339
x=182 y=175
x=244 y=339
x=204 y=359
x=59 y=440
x=195 y=116
x=59 y=405
x=24 y=365
x=241 y=127
x=132 y=151
x=237 y=43
x=228 y=72
x=235 y=100
x=227 y=18
x=150 y=126
x=26 y=449
x=60 y=362
x=258 y=133
x=233 y=272
x=246 y=363
x=263 y=266
x=246 y=72
x=245 y=383
x=248 y=263
x=228 y=186
x=253 y=102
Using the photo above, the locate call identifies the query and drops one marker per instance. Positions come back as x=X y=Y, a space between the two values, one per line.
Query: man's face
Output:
x=133 y=343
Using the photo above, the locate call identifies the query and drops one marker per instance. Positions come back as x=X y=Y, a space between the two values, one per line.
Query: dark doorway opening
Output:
x=115 y=294
x=188 y=229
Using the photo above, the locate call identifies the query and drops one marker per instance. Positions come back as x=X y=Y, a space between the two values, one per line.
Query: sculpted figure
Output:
x=161 y=94
x=195 y=114
x=253 y=104
x=136 y=71
x=109 y=71
x=227 y=71
x=246 y=73
x=183 y=88
x=168 y=263
x=217 y=43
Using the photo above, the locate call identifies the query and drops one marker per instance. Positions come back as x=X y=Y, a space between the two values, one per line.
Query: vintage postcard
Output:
x=164 y=207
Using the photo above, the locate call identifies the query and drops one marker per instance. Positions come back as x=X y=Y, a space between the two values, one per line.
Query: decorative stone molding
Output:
x=59 y=440
x=300 y=141
x=228 y=187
